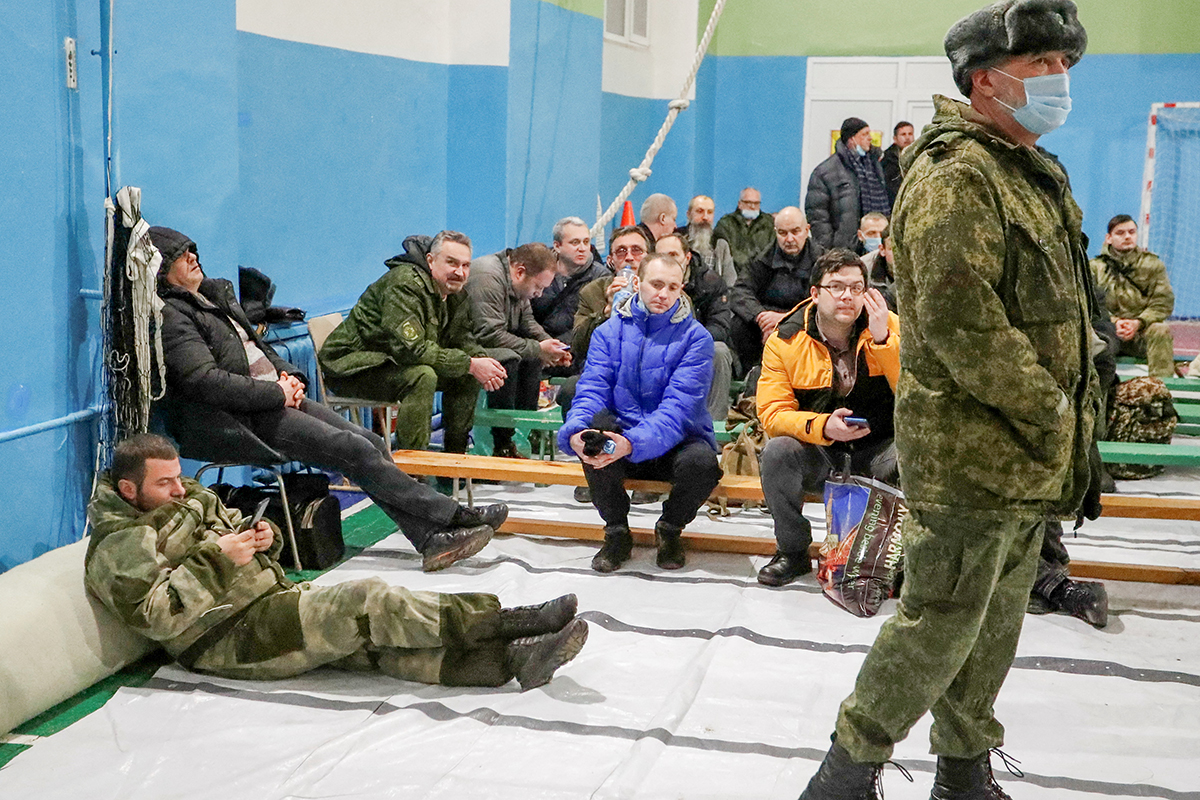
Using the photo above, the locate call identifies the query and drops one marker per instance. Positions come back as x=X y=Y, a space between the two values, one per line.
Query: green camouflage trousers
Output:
x=1155 y=344
x=413 y=388
x=949 y=647
x=365 y=625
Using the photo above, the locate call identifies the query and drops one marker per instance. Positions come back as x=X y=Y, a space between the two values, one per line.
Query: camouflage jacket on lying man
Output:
x=163 y=573
x=997 y=398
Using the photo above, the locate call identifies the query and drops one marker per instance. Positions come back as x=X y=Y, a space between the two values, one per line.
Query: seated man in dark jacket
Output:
x=230 y=397
x=832 y=362
x=409 y=336
x=772 y=285
x=178 y=567
x=710 y=306
x=578 y=265
x=648 y=372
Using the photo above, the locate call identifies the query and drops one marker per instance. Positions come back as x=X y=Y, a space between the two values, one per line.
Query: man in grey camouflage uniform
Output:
x=996 y=402
x=176 y=566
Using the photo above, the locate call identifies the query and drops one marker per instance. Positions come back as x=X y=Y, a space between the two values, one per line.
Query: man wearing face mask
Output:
x=846 y=186
x=870 y=232
x=996 y=403
x=747 y=230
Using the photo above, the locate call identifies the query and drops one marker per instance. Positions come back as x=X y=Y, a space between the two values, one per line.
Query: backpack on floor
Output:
x=742 y=455
x=316 y=516
x=1142 y=411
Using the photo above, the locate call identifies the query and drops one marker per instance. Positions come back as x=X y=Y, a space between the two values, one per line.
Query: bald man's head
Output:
x=791 y=230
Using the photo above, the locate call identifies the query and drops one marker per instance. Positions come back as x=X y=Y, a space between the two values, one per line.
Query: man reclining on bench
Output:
x=178 y=567
x=645 y=384
x=230 y=397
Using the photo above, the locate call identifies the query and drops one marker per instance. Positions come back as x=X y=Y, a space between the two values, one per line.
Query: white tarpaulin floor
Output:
x=693 y=684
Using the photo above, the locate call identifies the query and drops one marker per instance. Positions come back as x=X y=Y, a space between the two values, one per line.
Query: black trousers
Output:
x=520 y=389
x=691 y=468
x=316 y=435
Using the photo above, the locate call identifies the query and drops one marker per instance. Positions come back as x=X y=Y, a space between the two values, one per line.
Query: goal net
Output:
x=1170 y=219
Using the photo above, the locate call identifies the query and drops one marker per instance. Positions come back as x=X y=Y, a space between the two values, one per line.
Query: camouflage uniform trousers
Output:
x=413 y=388
x=1155 y=344
x=365 y=625
x=967 y=578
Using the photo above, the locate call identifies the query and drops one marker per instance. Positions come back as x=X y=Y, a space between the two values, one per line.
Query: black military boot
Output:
x=618 y=546
x=446 y=547
x=493 y=515
x=534 y=659
x=670 y=546
x=549 y=617
x=966 y=779
x=842 y=778
x=1086 y=600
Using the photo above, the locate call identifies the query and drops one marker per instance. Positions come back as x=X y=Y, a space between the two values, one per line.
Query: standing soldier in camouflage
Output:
x=408 y=336
x=178 y=567
x=1139 y=296
x=996 y=401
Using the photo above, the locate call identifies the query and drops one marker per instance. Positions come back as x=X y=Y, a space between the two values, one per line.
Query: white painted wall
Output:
x=658 y=70
x=881 y=91
x=441 y=32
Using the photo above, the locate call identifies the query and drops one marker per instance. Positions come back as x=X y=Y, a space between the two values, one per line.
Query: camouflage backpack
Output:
x=1142 y=411
x=741 y=456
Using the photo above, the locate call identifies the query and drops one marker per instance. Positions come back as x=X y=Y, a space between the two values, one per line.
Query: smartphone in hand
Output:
x=856 y=422
x=252 y=522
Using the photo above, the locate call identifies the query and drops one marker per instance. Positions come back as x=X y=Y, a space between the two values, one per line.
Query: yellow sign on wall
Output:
x=876 y=140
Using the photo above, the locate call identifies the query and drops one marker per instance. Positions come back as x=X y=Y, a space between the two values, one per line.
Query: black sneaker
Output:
x=644 y=498
x=446 y=547
x=493 y=515
x=534 y=659
x=784 y=568
x=1086 y=600
x=549 y=617
x=583 y=494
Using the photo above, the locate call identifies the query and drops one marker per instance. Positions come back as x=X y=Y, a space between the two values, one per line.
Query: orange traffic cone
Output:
x=627 y=215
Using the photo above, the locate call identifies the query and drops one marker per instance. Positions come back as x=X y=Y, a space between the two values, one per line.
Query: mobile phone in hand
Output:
x=252 y=523
x=856 y=422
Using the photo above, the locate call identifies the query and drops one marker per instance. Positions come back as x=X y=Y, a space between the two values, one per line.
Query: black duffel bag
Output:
x=316 y=516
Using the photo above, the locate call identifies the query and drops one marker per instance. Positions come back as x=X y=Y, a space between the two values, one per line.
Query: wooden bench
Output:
x=742 y=487
x=1168 y=455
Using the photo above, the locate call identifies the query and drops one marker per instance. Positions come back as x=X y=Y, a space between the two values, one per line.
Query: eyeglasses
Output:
x=621 y=252
x=839 y=289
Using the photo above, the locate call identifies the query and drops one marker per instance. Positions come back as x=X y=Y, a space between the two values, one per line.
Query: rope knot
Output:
x=638 y=174
x=680 y=105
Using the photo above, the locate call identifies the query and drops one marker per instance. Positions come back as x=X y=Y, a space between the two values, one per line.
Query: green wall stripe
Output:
x=593 y=8
x=917 y=27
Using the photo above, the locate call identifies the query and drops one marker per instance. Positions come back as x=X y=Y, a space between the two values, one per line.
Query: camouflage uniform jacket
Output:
x=402 y=319
x=997 y=397
x=1136 y=283
x=163 y=573
x=746 y=238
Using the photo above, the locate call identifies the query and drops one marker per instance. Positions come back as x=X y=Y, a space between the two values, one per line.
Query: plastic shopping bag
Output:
x=862 y=555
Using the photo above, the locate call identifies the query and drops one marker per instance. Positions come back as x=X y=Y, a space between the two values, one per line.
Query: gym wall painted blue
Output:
x=342 y=155
x=554 y=119
x=476 y=157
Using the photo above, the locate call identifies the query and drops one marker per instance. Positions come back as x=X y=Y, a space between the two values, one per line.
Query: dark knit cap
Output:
x=1012 y=28
x=851 y=126
x=172 y=244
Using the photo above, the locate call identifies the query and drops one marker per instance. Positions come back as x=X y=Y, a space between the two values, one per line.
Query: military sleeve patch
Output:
x=410 y=332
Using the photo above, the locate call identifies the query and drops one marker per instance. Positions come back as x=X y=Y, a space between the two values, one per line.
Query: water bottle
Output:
x=625 y=291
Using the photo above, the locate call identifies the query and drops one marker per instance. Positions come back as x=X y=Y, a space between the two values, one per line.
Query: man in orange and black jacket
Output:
x=826 y=398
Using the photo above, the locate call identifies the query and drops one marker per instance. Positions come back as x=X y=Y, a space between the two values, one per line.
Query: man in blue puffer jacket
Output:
x=644 y=386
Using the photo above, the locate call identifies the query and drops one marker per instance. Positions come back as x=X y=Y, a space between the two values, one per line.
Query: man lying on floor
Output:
x=176 y=566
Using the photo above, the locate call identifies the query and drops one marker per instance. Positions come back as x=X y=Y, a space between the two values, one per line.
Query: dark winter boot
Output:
x=842 y=778
x=618 y=546
x=534 y=659
x=670 y=546
x=1084 y=599
x=966 y=779
x=549 y=617
x=493 y=515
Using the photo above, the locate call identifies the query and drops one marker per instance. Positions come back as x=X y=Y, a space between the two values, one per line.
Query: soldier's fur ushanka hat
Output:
x=1012 y=28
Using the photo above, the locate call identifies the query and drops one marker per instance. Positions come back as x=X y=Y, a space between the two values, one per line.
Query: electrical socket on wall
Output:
x=72 y=67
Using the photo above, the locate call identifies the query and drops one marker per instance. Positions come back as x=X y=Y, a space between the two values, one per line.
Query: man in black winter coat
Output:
x=845 y=186
x=578 y=265
x=771 y=285
x=230 y=397
x=902 y=136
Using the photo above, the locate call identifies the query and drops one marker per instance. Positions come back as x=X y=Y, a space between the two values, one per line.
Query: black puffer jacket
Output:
x=710 y=299
x=774 y=282
x=833 y=204
x=555 y=309
x=210 y=393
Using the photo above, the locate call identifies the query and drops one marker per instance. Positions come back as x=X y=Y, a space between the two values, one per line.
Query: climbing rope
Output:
x=642 y=171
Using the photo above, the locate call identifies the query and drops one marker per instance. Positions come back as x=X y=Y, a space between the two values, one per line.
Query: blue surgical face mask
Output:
x=872 y=243
x=750 y=213
x=858 y=149
x=1047 y=102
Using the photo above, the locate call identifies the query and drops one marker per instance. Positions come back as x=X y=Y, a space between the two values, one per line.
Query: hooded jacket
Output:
x=164 y=575
x=1136 y=283
x=401 y=319
x=997 y=398
x=833 y=204
x=653 y=372
x=555 y=309
x=795 y=390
